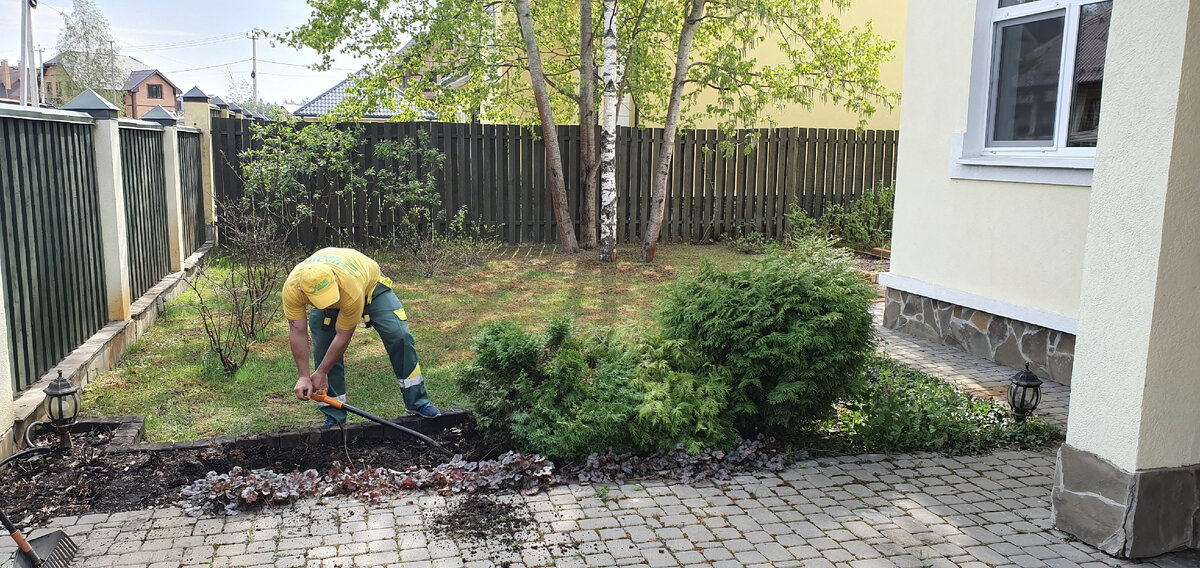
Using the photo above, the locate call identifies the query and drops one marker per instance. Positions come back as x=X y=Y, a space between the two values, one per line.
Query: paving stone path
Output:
x=868 y=511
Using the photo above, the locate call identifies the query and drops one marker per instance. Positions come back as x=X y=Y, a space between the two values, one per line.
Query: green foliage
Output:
x=902 y=409
x=559 y=394
x=552 y=393
x=468 y=57
x=747 y=240
x=864 y=224
x=793 y=330
x=685 y=401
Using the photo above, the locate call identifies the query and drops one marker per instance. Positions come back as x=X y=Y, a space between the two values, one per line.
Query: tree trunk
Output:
x=658 y=197
x=587 y=125
x=608 y=142
x=558 y=187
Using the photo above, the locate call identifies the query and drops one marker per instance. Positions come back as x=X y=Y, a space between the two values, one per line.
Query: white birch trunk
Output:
x=608 y=138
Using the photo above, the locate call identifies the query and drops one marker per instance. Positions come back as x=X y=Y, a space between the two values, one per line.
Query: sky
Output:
x=194 y=43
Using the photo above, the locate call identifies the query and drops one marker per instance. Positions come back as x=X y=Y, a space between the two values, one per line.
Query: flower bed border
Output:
x=129 y=430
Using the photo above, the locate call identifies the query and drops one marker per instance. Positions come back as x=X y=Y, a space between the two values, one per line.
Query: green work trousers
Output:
x=386 y=315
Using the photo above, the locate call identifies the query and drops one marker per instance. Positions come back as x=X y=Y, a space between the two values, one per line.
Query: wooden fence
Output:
x=145 y=207
x=192 y=193
x=498 y=173
x=54 y=288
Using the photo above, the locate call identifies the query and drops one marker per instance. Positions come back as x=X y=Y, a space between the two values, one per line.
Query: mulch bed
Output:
x=86 y=479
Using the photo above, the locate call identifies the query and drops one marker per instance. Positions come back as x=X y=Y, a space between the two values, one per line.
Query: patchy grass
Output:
x=169 y=377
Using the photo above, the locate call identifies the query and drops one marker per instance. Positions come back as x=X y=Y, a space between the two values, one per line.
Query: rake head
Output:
x=56 y=550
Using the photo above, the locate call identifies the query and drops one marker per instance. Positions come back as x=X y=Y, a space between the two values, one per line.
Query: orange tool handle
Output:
x=319 y=396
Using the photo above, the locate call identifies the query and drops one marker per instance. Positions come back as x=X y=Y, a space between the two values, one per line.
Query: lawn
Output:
x=169 y=377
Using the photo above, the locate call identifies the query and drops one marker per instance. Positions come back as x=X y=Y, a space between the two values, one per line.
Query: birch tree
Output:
x=88 y=56
x=608 y=153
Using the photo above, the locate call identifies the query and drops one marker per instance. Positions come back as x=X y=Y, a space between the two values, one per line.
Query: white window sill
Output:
x=1052 y=170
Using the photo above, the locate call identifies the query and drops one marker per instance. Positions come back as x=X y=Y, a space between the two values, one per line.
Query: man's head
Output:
x=318 y=283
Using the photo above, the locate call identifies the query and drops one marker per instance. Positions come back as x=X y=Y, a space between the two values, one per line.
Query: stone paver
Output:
x=869 y=511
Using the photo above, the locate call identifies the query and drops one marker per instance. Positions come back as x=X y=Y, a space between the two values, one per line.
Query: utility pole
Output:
x=41 y=76
x=254 y=64
x=113 y=76
x=28 y=78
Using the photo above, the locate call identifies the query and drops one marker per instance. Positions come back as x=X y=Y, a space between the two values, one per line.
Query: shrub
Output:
x=862 y=224
x=685 y=401
x=560 y=395
x=902 y=409
x=747 y=240
x=792 y=329
x=551 y=393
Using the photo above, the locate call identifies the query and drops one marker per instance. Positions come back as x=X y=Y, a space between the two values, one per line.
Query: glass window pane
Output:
x=1089 y=74
x=1026 y=87
x=1007 y=3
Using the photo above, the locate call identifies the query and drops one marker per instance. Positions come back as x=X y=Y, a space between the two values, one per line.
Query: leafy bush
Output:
x=434 y=253
x=792 y=329
x=902 y=409
x=747 y=240
x=862 y=224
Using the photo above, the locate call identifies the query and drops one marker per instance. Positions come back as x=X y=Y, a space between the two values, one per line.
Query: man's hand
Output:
x=304 y=387
x=320 y=381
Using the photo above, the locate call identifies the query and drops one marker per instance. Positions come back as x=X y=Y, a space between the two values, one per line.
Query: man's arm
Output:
x=320 y=377
x=298 y=341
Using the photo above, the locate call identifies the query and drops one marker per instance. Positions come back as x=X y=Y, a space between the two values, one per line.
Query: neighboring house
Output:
x=1048 y=212
x=147 y=89
x=328 y=100
x=142 y=89
x=10 y=81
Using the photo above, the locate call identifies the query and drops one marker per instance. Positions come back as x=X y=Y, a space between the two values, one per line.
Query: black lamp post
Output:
x=1024 y=393
x=62 y=404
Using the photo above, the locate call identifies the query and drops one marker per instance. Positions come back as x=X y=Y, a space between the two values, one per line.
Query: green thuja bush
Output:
x=552 y=393
x=793 y=330
x=685 y=400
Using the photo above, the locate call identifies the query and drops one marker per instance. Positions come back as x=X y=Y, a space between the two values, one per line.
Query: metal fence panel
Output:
x=54 y=284
x=145 y=208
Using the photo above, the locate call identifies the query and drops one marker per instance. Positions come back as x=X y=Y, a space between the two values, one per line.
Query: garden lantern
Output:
x=1024 y=393
x=62 y=404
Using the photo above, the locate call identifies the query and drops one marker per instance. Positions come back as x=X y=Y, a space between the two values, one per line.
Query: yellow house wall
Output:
x=888 y=17
x=1017 y=243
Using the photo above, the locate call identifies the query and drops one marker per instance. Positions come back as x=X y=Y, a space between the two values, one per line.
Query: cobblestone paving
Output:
x=869 y=511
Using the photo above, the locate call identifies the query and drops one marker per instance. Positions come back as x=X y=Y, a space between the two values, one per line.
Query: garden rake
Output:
x=320 y=396
x=54 y=550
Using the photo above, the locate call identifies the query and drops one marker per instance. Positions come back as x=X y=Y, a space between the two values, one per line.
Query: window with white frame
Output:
x=1046 y=67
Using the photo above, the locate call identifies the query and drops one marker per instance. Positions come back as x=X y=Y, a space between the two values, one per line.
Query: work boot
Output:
x=427 y=411
x=329 y=421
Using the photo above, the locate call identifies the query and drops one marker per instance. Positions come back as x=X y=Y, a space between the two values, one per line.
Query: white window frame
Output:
x=972 y=157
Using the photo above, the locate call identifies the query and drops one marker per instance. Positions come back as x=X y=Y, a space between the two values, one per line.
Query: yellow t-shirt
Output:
x=356 y=275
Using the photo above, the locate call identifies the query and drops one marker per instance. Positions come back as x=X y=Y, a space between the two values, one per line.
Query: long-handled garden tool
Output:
x=54 y=550
x=320 y=396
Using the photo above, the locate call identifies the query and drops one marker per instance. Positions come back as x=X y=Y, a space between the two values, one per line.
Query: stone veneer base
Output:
x=1133 y=515
x=1050 y=353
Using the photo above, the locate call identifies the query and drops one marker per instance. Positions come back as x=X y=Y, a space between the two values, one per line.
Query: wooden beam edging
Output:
x=128 y=436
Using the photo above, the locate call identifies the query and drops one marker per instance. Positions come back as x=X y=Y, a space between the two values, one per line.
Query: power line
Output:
x=185 y=43
x=304 y=66
x=210 y=66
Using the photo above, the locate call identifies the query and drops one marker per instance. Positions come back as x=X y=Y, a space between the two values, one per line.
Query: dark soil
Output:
x=871 y=263
x=486 y=524
x=87 y=480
